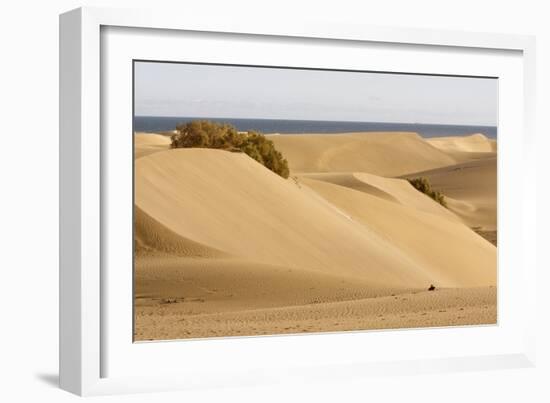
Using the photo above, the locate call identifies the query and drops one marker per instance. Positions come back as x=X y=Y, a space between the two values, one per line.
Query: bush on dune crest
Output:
x=206 y=134
x=423 y=185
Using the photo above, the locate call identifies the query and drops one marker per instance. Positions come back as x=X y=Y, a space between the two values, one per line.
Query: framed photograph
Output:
x=251 y=205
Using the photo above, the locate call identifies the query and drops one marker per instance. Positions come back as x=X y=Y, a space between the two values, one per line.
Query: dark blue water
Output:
x=159 y=123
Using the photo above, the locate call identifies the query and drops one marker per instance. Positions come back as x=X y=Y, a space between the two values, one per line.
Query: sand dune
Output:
x=470 y=189
x=352 y=180
x=384 y=154
x=396 y=190
x=148 y=143
x=231 y=203
x=225 y=247
x=477 y=143
x=434 y=241
x=151 y=237
x=199 y=193
x=466 y=148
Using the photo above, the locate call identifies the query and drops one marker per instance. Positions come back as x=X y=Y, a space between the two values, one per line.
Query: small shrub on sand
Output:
x=423 y=185
x=206 y=134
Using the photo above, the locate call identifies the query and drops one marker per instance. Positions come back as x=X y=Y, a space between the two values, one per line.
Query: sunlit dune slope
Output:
x=466 y=148
x=396 y=190
x=231 y=203
x=448 y=250
x=470 y=189
x=384 y=153
x=151 y=237
x=148 y=143
x=228 y=202
x=477 y=143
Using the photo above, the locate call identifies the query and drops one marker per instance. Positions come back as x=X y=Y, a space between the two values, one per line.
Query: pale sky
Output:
x=187 y=90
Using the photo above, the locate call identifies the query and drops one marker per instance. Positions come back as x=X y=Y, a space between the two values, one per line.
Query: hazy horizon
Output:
x=312 y=120
x=236 y=92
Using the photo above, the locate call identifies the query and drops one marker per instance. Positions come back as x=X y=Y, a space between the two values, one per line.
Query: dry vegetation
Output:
x=206 y=134
x=423 y=185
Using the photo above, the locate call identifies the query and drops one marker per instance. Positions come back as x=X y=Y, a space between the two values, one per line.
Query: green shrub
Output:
x=423 y=185
x=206 y=134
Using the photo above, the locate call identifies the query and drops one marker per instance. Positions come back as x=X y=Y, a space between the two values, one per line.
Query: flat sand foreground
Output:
x=225 y=247
x=196 y=297
x=414 y=309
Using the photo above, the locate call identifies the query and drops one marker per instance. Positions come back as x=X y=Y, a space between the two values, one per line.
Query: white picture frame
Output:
x=88 y=318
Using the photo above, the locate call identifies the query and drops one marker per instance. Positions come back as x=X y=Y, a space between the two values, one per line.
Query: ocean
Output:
x=161 y=123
